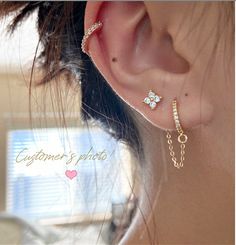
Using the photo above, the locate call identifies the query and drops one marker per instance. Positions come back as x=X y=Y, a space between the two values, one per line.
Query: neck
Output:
x=181 y=205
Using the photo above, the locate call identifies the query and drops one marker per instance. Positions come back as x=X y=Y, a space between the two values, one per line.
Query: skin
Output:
x=193 y=205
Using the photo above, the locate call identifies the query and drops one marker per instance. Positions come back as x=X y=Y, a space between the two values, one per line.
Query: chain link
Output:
x=182 y=140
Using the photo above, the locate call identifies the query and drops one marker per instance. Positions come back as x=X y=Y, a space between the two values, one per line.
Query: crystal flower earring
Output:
x=152 y=99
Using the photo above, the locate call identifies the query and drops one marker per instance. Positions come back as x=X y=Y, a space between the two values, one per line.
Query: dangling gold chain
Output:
x=182 y=139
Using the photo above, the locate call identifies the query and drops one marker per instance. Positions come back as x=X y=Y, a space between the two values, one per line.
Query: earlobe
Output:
x=134 y=58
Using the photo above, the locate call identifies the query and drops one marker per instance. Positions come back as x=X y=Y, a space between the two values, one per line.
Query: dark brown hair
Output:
x=61 y=29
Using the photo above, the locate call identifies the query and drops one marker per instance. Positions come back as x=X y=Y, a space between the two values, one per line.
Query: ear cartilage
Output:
x=152 y=99
x=84 y=44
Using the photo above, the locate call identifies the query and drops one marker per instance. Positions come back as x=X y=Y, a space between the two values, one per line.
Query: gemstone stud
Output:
x=152 y=99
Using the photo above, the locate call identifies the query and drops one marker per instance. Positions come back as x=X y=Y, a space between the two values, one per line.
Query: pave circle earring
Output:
x=182 y=138
x=84 y=44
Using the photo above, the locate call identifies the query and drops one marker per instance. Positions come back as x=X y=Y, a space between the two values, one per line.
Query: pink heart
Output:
x=71 y=173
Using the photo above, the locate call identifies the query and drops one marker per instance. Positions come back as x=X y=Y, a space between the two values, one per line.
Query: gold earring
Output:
x=182 y=138
x=84 y=44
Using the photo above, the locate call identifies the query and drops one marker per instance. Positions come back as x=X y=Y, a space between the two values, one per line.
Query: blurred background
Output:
x=39 y=204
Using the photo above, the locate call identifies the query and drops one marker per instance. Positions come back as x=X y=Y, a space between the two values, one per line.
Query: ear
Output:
x=136 y=51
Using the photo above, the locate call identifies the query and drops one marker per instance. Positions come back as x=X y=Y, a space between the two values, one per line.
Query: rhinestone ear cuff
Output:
x=84 y=44
x=152 y=99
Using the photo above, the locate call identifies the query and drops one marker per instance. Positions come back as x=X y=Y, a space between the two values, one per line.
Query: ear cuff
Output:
x=84 y=44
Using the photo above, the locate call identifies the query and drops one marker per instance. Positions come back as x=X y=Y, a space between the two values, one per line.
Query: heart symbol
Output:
x=71 y=173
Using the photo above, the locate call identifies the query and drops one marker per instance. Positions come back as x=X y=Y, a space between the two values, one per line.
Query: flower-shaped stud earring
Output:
x=152 y=99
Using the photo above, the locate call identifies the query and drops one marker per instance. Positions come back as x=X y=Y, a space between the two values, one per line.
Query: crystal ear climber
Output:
x=152 y=99
x=182 y=138
x=84 y=44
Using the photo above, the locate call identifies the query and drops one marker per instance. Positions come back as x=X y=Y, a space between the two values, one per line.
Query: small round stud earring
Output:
x=152 y=99
x=84 y=44
x=182 y=138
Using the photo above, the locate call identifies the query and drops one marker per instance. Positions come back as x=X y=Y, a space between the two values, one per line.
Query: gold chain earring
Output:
x=182 y=138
